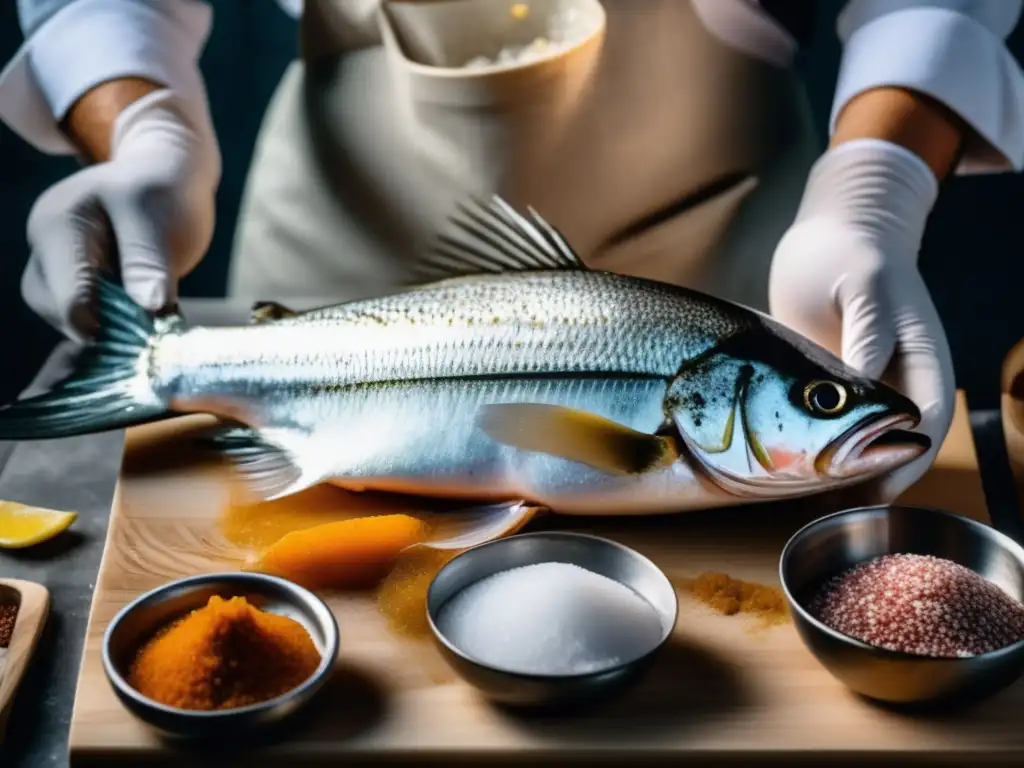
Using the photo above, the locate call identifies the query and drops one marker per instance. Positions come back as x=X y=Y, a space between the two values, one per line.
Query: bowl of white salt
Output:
x=908 y=605
x=550 y=618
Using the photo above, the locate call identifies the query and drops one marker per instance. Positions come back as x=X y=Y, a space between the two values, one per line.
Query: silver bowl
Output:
x=827 y=546
x=137 y=622
x=601 y=556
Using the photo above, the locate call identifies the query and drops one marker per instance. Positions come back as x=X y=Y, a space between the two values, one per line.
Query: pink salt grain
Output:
x=919 y=604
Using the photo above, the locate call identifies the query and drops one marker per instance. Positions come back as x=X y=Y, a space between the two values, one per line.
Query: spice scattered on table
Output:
x=8 y=614
x=402 y=596
x=223 y=655
x=349 y=554
x=550 y=618
x=260 y=524
x=922 y=605
x=23 y=525
x=730 y=596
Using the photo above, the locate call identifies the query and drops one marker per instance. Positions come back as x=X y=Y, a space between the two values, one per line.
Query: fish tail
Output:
x=109 y=387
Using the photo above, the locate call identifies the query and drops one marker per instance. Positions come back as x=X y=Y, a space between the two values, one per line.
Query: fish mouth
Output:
x=873 y=446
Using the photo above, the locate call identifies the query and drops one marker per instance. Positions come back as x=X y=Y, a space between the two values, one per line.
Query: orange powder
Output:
x=402 y=597
x=349 y=554
x=261 y=524
x=226 y=654
x=730 y=596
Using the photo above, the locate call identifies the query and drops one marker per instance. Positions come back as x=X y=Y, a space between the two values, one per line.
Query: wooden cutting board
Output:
x=726 y=686
x=33 y=601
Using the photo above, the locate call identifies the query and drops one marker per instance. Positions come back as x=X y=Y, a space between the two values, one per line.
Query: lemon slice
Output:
x=22 y=525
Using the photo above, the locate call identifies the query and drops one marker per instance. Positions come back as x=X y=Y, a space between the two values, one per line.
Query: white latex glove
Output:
x=845 y=275
x=148 y=211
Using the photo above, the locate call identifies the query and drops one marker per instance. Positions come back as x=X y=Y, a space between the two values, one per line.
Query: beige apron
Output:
x=656 y=149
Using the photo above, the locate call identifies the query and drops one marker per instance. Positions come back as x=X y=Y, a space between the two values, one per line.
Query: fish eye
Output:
x=825 y=397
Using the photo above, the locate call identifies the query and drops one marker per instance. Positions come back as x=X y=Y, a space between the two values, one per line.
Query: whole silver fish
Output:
x=517 y=378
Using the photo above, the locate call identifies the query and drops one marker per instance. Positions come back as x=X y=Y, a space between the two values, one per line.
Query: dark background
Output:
x=973 y=255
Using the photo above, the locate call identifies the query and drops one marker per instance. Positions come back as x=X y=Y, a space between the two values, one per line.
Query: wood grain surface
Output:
x=1012 y=413
x=33 y=607
x=726 y=686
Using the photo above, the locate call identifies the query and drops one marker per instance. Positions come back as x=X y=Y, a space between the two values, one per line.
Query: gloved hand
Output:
x=845 y=275
x=149 y=211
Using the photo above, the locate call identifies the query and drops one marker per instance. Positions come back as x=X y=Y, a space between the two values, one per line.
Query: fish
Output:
x=508 y=378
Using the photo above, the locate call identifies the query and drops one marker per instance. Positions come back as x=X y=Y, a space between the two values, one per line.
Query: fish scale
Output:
x=576 y=322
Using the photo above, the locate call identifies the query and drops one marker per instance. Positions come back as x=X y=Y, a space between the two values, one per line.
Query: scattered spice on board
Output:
x=920 y=604
x=348 y=554
x=402 y=596
x=8 y=613
x=730 y=596
x=223 y=655
x=259 y=525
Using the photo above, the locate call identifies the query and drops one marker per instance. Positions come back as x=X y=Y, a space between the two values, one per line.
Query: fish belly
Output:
x=421 y=438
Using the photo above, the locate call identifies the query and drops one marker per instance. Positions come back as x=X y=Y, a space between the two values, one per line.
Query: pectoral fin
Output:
x=468 y=527
x=264 y=465
x=576 y=435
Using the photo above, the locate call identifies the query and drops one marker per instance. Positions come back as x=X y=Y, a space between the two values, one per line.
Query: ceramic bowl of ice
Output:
x=148 y=613
x=829 y=546
x=550 y=618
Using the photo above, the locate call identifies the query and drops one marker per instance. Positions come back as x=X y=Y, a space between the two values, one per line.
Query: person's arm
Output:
x=90 y=120
x=930 y=74
x=908 y=119
x=116 y=82
x=83 y=61
x=926 y=88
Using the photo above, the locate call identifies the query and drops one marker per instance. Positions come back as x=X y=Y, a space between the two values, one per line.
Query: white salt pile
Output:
x=550 y=618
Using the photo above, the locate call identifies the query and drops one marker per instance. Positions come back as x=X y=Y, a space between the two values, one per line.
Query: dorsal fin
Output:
x=266 y=311
x=494 y=237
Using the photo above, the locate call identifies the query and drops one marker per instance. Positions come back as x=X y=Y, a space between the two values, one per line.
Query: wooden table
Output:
x=725 y=687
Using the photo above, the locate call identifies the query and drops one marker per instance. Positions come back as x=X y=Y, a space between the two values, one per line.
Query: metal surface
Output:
x=828 y=546
x=601 y=556
x=147 y=614
x=81 y=473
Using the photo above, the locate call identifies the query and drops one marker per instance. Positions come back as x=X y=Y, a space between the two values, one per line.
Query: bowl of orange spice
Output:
x=220 y=653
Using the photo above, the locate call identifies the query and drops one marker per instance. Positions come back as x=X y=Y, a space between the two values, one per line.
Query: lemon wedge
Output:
x=22 y=525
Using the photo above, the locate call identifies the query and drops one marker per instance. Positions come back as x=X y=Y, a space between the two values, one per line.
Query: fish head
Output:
x=770 y=414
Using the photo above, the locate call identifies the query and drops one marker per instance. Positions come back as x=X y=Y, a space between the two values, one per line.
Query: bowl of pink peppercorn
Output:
x=908 y=605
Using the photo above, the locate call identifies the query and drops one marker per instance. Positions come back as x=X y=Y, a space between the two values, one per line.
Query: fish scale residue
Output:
x=920 y=604
x=550 y=618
